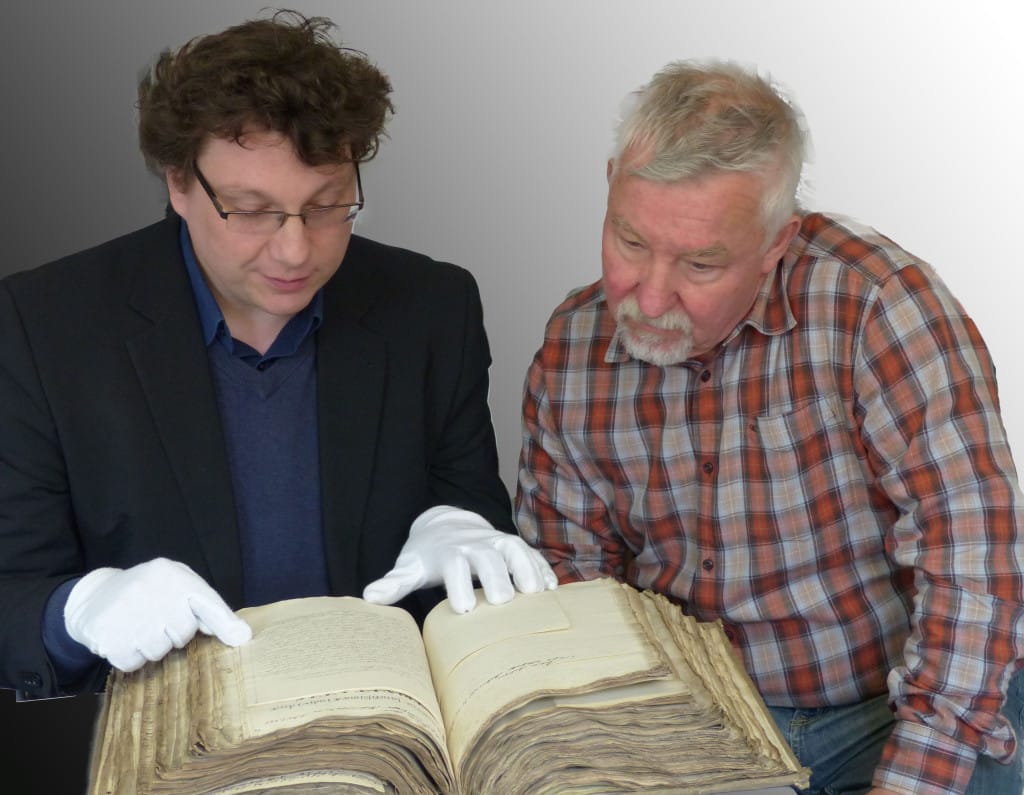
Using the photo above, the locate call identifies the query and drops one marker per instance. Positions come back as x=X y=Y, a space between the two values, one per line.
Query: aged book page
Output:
x=498 y=657
x=363 y=659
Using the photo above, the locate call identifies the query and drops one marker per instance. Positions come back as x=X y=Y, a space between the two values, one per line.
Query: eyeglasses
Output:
x=266 y=222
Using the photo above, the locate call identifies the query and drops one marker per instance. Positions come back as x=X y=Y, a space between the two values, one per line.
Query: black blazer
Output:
x=111 y=446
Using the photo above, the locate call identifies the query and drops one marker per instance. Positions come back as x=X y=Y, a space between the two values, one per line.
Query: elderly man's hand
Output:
x=450 y=546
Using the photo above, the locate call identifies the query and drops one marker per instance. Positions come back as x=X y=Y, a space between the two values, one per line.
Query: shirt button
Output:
x=730 y=634
x=707 y=564
x=261 y=366
x=705 y=376
x=708 y=467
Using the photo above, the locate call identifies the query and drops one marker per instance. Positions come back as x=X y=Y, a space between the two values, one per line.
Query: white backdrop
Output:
x=496 y=157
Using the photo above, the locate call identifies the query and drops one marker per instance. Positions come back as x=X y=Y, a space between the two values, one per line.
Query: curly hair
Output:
x=282 y=74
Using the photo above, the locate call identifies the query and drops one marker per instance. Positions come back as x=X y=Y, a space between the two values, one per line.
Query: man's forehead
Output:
x=240 y=163
x=712 y=249
x=257 y=139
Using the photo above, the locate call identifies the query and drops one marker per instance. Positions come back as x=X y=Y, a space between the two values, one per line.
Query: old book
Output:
x=590 y=688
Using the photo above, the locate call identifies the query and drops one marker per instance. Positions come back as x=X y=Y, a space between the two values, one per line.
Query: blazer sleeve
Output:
x=464 y=465
x=38 y=544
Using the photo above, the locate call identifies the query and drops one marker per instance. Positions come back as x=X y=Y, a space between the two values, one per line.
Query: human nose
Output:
x=290 y=243
x=657 y=289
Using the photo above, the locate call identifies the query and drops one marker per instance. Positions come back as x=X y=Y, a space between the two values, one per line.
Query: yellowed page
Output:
x=327 y=656
x=499 y=656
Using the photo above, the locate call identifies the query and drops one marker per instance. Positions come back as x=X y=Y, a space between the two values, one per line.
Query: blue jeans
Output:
x=843 y=745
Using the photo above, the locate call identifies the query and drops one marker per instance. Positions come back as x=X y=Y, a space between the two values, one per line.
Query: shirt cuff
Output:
x=70 y=659
x=918 y=760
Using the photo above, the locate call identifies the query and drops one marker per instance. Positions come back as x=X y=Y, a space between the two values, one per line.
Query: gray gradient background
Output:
x=496 y=157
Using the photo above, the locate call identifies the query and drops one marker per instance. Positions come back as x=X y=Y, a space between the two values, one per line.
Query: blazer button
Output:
x=31 y=680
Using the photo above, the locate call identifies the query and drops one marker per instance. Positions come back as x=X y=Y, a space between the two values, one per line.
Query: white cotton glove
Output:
x=130 y=616
x=448 y=545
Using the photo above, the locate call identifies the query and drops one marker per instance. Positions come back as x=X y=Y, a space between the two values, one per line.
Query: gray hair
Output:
x=695 y=118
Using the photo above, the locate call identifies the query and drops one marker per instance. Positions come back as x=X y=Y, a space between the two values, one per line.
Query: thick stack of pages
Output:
x=591 y=688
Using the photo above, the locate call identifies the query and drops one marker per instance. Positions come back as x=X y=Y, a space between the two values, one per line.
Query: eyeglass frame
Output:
x=282 y=214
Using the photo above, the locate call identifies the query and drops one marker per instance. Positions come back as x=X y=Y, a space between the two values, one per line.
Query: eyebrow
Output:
x=243 y=192
x=714 y=250
x=238 y=192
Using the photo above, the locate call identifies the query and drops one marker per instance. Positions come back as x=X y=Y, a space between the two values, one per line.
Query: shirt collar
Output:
x=771 y=313
x=212 y=320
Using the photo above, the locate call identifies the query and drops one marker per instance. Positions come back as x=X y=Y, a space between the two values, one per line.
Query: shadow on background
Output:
x=44 y=745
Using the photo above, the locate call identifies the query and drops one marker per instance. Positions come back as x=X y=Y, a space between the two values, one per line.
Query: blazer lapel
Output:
x=171 y=363
x=351 y=372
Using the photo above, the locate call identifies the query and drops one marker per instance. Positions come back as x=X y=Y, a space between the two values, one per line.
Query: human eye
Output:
x=258 y=221
x=328 y=215
x=321 y=209
x=703 y=271
x=631 y=243
x=247 y=202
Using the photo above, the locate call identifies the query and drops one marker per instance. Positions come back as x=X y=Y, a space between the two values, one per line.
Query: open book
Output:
x=590 y=688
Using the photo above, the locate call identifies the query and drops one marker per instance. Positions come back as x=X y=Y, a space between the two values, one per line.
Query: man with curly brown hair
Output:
x=244 y=402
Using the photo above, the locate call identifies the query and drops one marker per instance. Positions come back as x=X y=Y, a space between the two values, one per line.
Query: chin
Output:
x=657 y=352
x=287 y=307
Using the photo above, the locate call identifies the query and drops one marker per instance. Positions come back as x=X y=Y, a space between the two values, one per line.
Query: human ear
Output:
x=176 y=187
x=780 y=243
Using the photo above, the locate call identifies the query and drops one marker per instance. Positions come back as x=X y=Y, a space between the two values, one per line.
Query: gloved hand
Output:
x=133 y=615
x=451 y=545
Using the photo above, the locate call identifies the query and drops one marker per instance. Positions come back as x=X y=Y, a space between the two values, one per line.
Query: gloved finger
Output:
x=394 y=586
x=387 y=590
x=458 y=583
x=213 y=613
x=153 y=644
x=523 y=567
x=542 y=576
x=131 y=647
x=547 y=574
x=180 y=626
x=126 y=660
x=490 y=567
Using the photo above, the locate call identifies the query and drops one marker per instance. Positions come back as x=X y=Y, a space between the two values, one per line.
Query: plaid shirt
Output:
x=832 y=482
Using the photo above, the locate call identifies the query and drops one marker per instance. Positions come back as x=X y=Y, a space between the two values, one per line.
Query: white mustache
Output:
x=675 y=320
